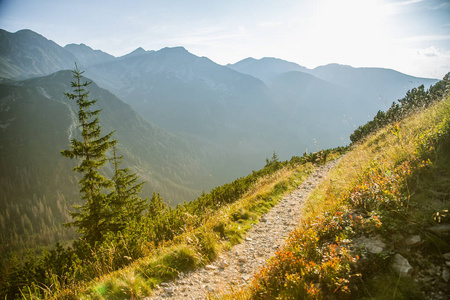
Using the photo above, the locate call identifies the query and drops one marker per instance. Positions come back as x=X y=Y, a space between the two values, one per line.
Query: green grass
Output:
x=197 y=247
x=213 y=222
x=390 y=186
x=391 y=286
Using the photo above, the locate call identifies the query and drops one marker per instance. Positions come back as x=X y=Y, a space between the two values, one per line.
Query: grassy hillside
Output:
x=164 y=243
x=386 y=202
x=37 y=184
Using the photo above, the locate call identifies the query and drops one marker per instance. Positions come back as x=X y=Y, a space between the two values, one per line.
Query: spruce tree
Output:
x=126 y=204
x=156 y=206
x=92 y=219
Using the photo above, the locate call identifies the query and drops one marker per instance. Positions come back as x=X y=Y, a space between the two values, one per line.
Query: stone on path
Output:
x=401 y=265
x=414 y=240
x=446 y=275
x=373 y=245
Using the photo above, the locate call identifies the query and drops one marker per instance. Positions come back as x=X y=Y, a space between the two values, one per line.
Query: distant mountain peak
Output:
x=139 y=51
x=29 y=34
x=245 y=60
x=87 y=56
x=26 y=53
x=337 y=65
x=174 y=50
x=73 y=45
x=267 y=58
x=266 y=68
x=26 y=31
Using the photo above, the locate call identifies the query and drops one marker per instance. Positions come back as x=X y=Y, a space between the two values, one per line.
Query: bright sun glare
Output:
x=351 y=27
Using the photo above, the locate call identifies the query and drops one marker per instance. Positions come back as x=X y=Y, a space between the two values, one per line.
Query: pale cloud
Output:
x=429 y=52
x=427 y=38
x=434 y=52
x=395 y=8
x=432 y=61
x=408 y=2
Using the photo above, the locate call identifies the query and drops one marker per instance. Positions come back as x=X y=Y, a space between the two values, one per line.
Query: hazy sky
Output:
x=411 y=36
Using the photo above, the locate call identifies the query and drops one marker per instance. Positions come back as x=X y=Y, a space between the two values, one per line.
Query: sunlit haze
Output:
x=411 y=36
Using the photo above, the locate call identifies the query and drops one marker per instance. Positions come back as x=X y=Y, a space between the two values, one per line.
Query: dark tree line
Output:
x=415 y=99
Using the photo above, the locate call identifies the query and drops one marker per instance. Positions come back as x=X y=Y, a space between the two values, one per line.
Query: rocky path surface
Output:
x=234 y=268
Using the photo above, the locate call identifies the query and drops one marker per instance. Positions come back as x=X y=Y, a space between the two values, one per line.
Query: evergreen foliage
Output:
x=158 y=225
x=92 y=218
x=126 y=205
x=392 y=186
x=117 y=226
x=415 y=99
x=127 y=227
x=111 y=204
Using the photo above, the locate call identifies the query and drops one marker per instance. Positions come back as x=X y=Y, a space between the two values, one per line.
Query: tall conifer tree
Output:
x=126 y=203
x=92 y=218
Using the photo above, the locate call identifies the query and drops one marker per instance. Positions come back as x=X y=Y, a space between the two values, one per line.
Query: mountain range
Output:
x=183 y=122
x=37 y=185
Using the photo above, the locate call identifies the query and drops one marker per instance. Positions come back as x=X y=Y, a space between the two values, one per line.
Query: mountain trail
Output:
x=236 y=267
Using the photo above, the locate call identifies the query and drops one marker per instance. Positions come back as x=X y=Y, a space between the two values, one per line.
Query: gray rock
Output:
x=401 y=265
x=373 y=245
x=414 y=240
x=446 y=256
x=446 y=275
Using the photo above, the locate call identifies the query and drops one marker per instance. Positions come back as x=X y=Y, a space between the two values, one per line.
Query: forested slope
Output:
x=390 y=189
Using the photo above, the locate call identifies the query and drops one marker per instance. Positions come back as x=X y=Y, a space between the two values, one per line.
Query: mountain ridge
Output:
x=26 y=53
x=33 y=34
x=37 y=122
x=211 y=123
x=194 y=96
x=85 y=55
x=372 y=213
x=239 y=112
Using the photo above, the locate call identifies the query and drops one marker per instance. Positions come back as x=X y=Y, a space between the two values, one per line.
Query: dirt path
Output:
x=237 y=266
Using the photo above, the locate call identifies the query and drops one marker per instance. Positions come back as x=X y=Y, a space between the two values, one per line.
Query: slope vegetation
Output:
x=166 y=242
x=379 y=227
x=37 y=186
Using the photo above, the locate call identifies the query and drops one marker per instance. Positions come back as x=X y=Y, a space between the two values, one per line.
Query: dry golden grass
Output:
x=133 y=282
x=388 y=148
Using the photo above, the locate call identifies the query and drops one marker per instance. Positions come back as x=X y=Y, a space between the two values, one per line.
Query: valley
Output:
x=184 y=123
